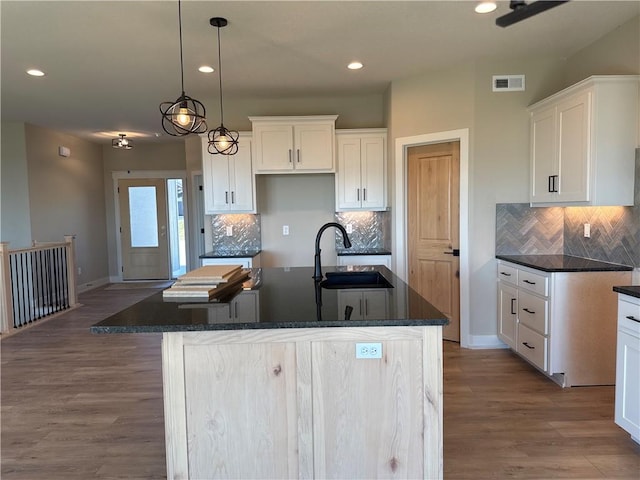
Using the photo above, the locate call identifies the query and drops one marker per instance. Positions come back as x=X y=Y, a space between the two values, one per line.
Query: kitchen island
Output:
x=311 y=382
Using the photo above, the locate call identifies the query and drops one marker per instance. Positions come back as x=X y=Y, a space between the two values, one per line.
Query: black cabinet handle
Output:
x=528 y=346
x=550 y=183
x=226 y=197
x=233 y=197
x=529 y=282
x=529 y=311
x=505 y=274
x=513 y=301
x=631 y=317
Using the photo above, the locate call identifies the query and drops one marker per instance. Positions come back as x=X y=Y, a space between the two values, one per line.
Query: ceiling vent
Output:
x=508 y=83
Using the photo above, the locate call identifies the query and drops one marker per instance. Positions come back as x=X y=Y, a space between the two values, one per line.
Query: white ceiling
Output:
x=109 y=64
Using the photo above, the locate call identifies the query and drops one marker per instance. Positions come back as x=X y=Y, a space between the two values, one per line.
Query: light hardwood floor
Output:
x=82 y=406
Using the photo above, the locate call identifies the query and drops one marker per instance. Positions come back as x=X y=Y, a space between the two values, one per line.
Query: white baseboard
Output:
x=485 y=342
x=91 y=285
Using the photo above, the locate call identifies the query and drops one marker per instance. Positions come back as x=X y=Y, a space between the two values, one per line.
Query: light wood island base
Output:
x=296 y=403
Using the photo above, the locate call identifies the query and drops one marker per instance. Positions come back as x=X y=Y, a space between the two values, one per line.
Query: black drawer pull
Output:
x=529 y=311
x=513 y=301
x=528 y=346
x=505 y=274
x=631 y=317
x=530 y=283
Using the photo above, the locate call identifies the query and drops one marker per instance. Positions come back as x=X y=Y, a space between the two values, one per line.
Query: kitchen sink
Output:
x=371 y=279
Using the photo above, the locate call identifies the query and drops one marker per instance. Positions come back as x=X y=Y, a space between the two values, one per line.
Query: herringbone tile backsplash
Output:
x=615 y=231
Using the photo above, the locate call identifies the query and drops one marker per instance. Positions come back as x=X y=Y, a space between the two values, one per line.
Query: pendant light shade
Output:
x=221 y=140
x=186 y=115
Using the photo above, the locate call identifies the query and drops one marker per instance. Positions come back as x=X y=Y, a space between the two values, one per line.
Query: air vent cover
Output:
x=508 y=83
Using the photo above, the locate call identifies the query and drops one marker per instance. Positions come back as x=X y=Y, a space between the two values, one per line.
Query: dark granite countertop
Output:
x=288 y=298
x=632 y=291
x=343 y=252
x=563 y=263
x=231 y=254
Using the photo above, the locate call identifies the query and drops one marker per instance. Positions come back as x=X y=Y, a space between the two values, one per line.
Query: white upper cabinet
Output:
x=583 y=142
x=229 y=183
x=294 y=144
x=361 y=177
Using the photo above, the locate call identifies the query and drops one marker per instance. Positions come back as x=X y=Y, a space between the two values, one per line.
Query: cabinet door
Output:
x=350 y=305
x=507 y=314
x=574 y=150
x=313 y=147
x=242 y=179
x=375 y=304
x=273 y=147
x=373 y=174
x=217 y=189
x=627 y=409
x=543 y=155
x=348 y=180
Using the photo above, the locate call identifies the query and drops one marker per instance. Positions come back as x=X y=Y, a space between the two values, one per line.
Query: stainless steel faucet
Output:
x=317 y=273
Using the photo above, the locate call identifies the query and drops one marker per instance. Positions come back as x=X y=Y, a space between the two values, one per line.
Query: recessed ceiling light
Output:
x=34 y=72
x=486 y=7
x=355 y=66
x=206 y=69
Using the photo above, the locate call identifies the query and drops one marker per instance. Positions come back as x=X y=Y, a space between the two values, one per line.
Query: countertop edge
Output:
x=595 y=265
x=630 y=290
x=245 y=254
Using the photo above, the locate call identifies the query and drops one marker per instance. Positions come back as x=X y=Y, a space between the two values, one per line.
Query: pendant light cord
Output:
x=181 y=57
x=220 y=78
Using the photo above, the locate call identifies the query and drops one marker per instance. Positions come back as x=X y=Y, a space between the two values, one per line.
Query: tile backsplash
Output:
x=245 y=228
x=615 y=231
x=371 y=230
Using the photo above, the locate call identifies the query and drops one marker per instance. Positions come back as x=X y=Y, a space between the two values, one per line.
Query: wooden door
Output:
x=143 y=228
x=433 y=212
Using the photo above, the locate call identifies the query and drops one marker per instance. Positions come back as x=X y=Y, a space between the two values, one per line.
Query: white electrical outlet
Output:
x=285 y=230
x=79 y=270
x=368 y=350
x=587 y=230
x=349 y=227
x=230 y=231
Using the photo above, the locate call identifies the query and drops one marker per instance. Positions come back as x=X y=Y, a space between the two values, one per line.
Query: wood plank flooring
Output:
x=80 y=406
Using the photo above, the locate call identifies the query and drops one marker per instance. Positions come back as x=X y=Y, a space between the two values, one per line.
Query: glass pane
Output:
x=143 y=217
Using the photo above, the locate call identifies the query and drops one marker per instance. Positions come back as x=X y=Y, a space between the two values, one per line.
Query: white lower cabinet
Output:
x=554 y=320
x=362 y=304
x=246 y=262
x=353 y=260
x=244 y=308
x=627 y=409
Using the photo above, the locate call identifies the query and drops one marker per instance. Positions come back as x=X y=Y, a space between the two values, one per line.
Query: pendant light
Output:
x=186 y=115
x=122 y=142
x=221 y=140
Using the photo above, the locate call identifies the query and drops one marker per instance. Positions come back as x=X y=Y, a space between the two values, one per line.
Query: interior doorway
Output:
x=152 y=225
x=400 y=215
x=433 y=228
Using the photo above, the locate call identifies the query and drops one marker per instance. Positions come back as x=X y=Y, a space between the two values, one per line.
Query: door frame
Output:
x=142 y=174
x=400 y=250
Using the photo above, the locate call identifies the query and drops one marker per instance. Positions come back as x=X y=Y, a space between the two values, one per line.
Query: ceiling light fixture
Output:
x=122 y=142
x=221 y=140
x=521 y=10
x=205 y=69
x=34 y=72
x=355 y=66
x=186 y=115
x=486 y=7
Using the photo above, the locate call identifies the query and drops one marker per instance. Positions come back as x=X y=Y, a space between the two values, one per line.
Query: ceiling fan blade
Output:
x=525 y=11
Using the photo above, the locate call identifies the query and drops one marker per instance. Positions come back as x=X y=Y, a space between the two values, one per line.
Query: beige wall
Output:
x=66 y=196
x=499 y=135
x=15 y=226
x=144 y=157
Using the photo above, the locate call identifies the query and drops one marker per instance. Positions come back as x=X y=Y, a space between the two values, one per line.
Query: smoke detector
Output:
x=508 y=83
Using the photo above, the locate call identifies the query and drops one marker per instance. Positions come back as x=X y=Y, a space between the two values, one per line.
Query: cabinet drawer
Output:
x=507 y=273
x=533 y=282
x=532 y=311
x=532 y=346
x=629 y=316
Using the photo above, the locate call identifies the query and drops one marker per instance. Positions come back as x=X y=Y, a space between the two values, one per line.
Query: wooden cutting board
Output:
x=210 y=273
